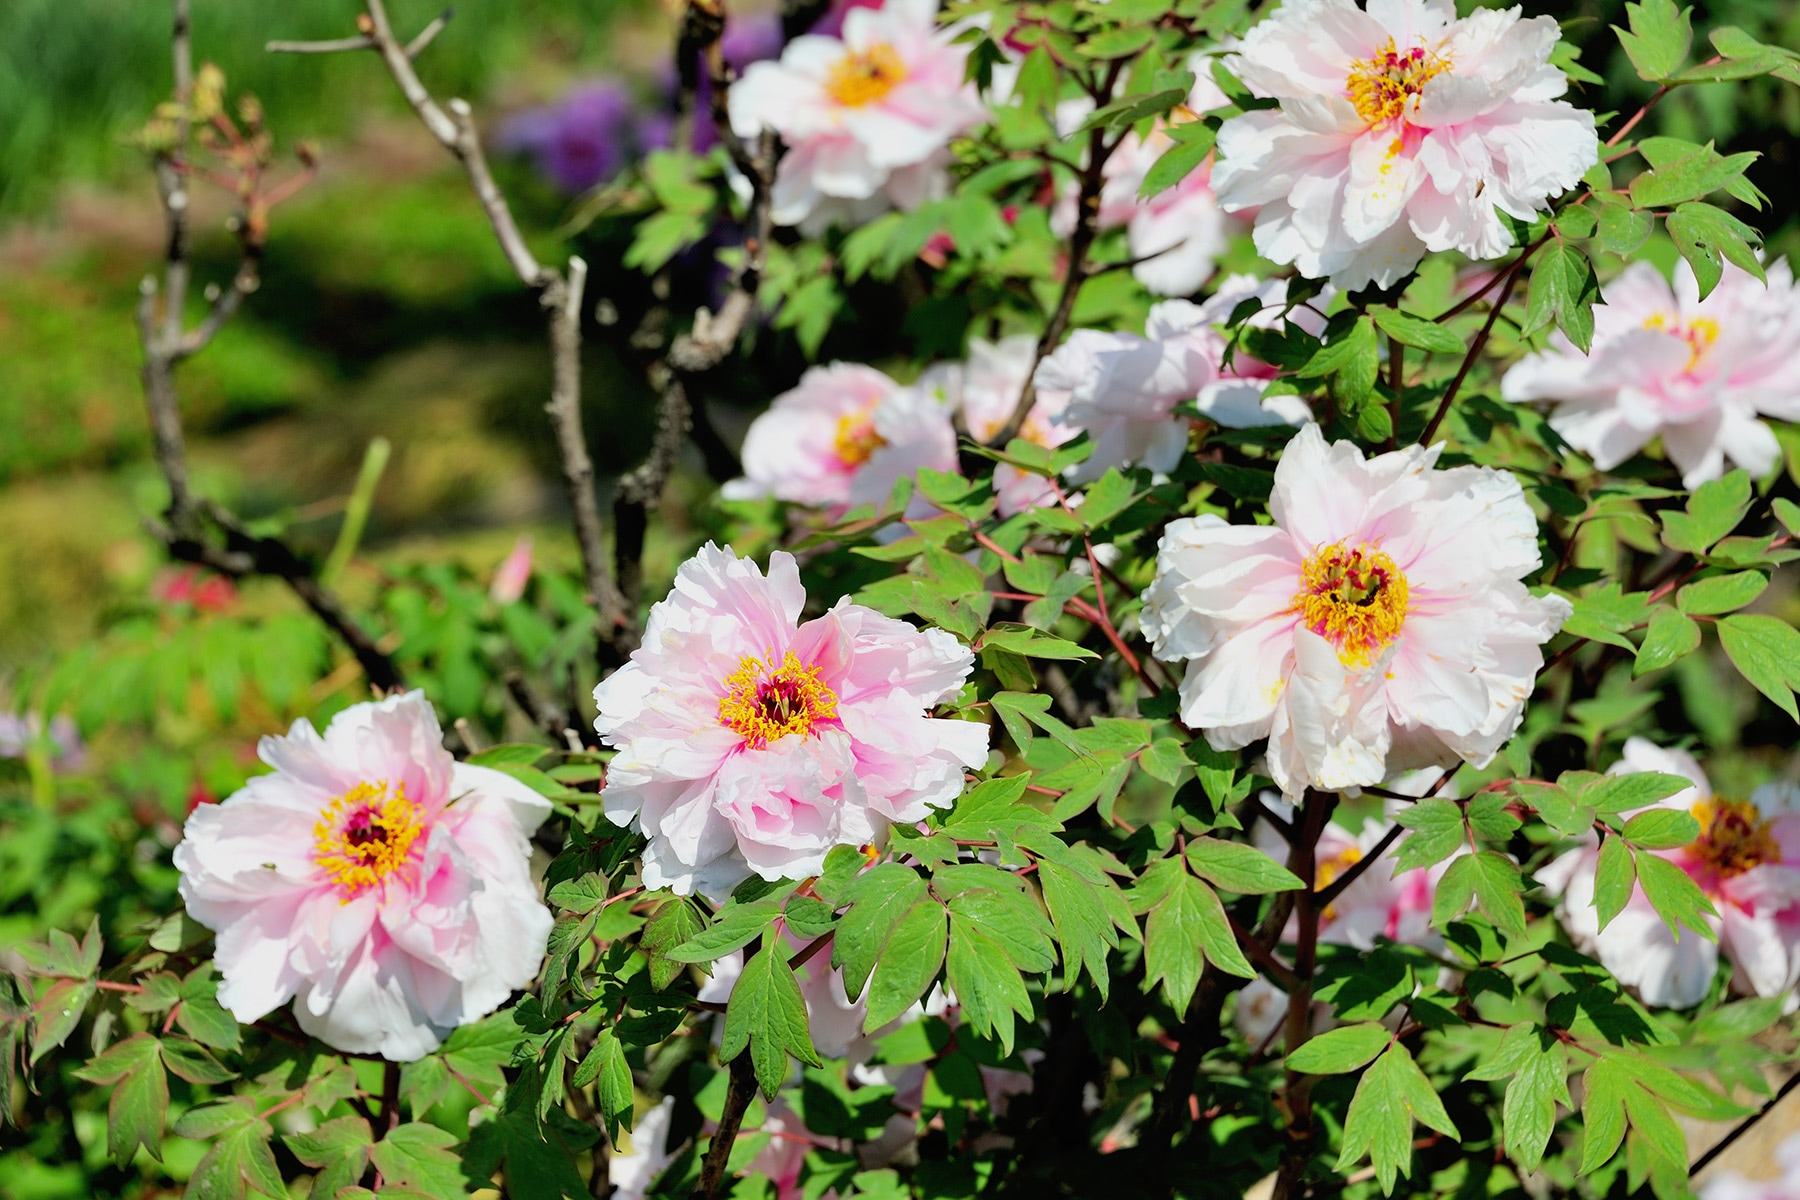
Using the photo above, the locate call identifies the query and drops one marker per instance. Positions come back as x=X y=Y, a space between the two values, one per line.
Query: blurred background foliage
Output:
x=387 y=311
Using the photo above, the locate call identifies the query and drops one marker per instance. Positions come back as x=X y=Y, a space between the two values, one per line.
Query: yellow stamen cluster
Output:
x=1386 y=85
x=856 y=438
x=1699 y=333
x=1354 y=598
x=764 y=702
x=865 y=76
x=1734 y=837
x=365 y=835
x=1329 y=870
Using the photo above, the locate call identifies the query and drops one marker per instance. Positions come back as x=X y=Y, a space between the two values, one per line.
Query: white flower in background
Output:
x=866 y=119
x=1400 y=129
x=750 y=743
x=844 y=436
x=378 y=883
x=631 y=1171
x=1178 y=234
x=1666 y=363
x=989 y=385
x=1746 y=861
x=1378 y=625
x=1123 y=389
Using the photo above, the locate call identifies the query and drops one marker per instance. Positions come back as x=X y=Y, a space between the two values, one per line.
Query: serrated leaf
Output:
x=1488 y=879
x=605 y=1066
x=877 y=899
x=1435 y=833
x=1659 y=38
x=420 y=1156
x=1706 y=235
x=338 y=1151
x=986 y=983
x=1766 y=652
x=199 y=1013
x=1563 y=289
x=674 y=923
x=1661 y=829
x=1713 y=511
x=1390 y=1095
x=1083 y=927
x=133 y=1071
x=1677 y=899
x=910 y=958
x=736 y=926
x=767 y=1014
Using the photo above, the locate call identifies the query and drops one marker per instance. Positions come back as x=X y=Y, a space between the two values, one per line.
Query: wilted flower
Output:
x=750 y=743
x=1665 y=362
x=1400 y=129
x=866 y=119
x=1746 y=861
x=382 y=885
x=1378 y=625
x=844 y=436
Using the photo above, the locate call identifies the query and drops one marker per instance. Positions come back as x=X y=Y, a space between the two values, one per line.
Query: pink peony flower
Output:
x=989 y=385
x=844 y=436
x=1746 y=861
x=1123 y=389
x=513 y=573
x=1378 y=625
x=374 y=880
x=866 y=119
x=1400 y=130
x=1665 y=362
x=751 y=744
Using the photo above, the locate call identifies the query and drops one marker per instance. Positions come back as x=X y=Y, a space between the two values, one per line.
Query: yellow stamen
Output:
x=1734 y=837
x=365 y=835
x=1386 y=86
x=765 y=703
x=1331 y=869
x=1699 y=333
x=863 y=77
x=1355 y=598
x=856 y=438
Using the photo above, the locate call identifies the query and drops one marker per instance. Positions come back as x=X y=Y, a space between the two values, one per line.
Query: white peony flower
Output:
x=866 y=119
x=1401 y=129
x=1378 y=625
x=987 y=388
x=1665 y=362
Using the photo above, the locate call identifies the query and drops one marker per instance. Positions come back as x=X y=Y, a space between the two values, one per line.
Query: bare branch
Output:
x=414 y=48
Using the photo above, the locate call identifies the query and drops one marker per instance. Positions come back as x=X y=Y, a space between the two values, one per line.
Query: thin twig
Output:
x=414 y=48
x=1475 y=347
x=1327 y=895
x=739 y=1092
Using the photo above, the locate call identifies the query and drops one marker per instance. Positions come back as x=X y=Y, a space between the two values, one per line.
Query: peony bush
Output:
x=1245 y=650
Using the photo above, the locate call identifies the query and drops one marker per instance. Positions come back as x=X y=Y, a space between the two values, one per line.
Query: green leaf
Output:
x=191 y=1061
x=1192 y=142
x=737 y=926
x=1602 y=1112
x=1624 y=793
x=1606 y=614
x=1658 y=42
x=239 y=1154
x=1528 y=1113
x=1623 y=229
x=767 y=1013
x=1563 y=289
x=1165 y=759
x=1677 y=899
x=508 y=754
x=1713 y=511
x=1352 y=360
x=877 y=898
x=1022 y=639
x=133 y=1071
x=1683 y=171
x=1341 y=1050
x=986 y=983
x=200 y=1014
x=1706 y=235
x=1415 y=331
x=1614 y=878
x=1672 y=636
x=1236 y=867
x=1491 y=881
x=1766 y=651
x=1390 y=1095
x=1083 y=927
x=1661 y=829
x=420 y=1156
x=56 y=1014
x=676 y=922
x=581 y=895
x=605 y=1066
x=1436 y=833
x=338 y=1151
x=909 y=962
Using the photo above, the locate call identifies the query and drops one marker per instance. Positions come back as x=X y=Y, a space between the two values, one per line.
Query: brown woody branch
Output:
x=189 y=527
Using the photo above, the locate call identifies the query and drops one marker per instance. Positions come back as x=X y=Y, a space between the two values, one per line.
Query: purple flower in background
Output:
x=18 y=734
x=581 y=140
x=832 y=23
x=748 y=38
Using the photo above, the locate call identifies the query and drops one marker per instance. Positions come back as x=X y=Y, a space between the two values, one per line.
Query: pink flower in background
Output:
x=205 y=591
x=513 y=573
x=1179 y=233
x=1123 y=389
x=1400 y=129
x=383 y=886
x=1698 y=373
x=1746 y=861
x=750 y=743
x=1376 y=626
x=844 y=436
x=866 y=119
x=989 y=387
